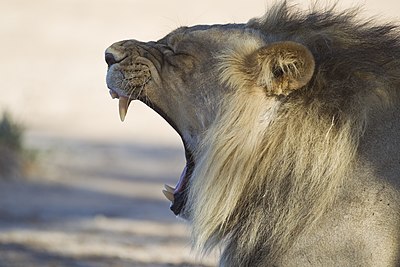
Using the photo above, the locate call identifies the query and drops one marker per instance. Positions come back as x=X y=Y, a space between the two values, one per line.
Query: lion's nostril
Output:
x=110 y=59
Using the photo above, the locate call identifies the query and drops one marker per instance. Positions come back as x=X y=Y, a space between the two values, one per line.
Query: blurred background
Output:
x=77 y=186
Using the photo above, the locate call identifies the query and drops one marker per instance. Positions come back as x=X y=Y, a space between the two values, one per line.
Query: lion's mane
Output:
x=267 y=169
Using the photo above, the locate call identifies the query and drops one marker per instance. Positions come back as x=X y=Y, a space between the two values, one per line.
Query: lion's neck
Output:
x=263 y=174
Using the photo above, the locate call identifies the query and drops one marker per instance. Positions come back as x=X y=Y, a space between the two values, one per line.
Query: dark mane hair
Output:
x=350 y=54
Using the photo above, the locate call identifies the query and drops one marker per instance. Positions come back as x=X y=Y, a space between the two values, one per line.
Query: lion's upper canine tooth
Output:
x=123 y=107
x=169 y=195
x=169 y=188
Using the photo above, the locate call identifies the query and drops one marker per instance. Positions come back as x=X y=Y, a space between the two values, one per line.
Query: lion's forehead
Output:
x=228 y=36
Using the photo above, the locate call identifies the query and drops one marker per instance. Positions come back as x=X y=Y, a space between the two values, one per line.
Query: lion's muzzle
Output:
x=128 y=73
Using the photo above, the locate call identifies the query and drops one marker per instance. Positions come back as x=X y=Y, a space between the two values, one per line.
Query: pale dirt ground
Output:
x=95 y=198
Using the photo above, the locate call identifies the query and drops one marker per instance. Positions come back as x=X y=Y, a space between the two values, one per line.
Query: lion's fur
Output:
x=290 y=126
x=268 y=169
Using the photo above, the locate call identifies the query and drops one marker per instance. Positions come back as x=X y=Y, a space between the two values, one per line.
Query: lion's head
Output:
x=270 y=114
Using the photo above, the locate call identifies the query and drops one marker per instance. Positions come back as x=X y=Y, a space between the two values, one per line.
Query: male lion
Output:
x=291 y=129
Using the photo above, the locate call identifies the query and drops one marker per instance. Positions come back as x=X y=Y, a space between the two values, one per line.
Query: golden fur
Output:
x=282 y=162
x=268 y=158
x=290 y=126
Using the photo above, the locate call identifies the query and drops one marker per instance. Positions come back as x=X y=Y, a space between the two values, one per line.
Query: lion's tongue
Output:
x=182 y=181
x=123 y=107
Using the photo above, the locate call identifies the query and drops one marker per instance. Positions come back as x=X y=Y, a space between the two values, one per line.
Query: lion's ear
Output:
x=283 y=67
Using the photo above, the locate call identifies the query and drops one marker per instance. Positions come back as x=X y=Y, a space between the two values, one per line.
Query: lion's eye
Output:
x=176 y=56
x=167 y=49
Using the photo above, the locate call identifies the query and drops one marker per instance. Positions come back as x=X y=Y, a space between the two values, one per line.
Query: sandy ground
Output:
x=95 y=198
x=91 y=206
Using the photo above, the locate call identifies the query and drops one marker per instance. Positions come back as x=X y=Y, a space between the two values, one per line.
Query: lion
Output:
x=290 y=125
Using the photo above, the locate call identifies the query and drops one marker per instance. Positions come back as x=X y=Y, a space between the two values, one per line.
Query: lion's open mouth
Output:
x=177 y=195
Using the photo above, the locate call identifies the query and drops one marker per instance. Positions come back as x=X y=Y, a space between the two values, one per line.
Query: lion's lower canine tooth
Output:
x=169 y=188
x=169 y=195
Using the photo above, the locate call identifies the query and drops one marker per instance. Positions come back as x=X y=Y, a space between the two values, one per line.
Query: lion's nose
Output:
x=110 y=59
